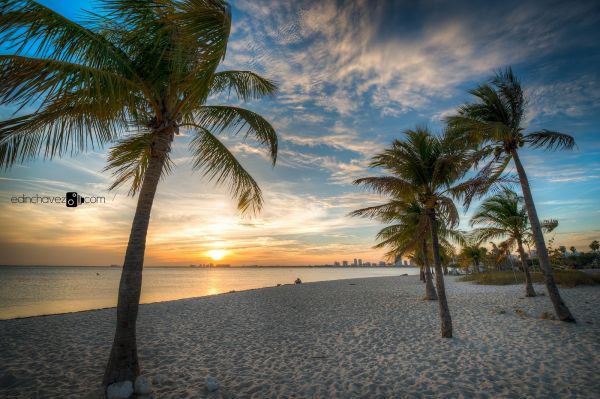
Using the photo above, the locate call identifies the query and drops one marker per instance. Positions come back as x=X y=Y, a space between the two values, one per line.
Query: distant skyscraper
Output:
x=355 y=262
x=381 y=263
x=336 y=263
x=360 y=262
x=345 y=263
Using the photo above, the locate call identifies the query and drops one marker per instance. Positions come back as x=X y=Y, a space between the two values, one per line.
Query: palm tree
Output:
x=495 y=121
x=504 y=216
x=424 y=168
x=474 y=254
x=408 y=234
x=594 y=245
x=134 y=75
x=573 y=250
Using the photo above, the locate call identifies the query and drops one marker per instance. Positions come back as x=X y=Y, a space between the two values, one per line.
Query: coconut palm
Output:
x=495 y=121
x=474 y=254
x=504 y=216
x=424 y=168
x=407 y=234
x=135 y=76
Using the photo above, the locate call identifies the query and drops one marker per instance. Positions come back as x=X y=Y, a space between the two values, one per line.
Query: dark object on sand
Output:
x=298 y=281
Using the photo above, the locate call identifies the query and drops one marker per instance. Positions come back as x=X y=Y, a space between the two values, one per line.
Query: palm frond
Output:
x=390 y=185
x=220 y=165
x=67 y=125
x=549 y=225
x=26 y=79
x=245 y=84
x=218 y=118
x=550 y=140
x=128 y=160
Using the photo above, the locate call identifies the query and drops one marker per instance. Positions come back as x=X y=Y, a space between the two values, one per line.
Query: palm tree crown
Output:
x=139 y=71
x=502 y=216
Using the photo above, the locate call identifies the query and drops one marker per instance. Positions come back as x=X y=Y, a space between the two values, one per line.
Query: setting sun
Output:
x=216 y=254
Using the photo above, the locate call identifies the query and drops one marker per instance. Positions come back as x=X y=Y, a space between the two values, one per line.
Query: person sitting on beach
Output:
x=298 y=281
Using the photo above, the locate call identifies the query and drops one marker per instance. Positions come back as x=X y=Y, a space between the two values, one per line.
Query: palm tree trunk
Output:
x=560 y=308
x=445 y=270
x=475 y=267
x=445 y=318
x=422 y=274
x=430 y=294
x=529 y=291
x=123 y=362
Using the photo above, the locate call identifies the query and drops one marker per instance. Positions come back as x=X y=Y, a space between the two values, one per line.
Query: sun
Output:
x=216 y=254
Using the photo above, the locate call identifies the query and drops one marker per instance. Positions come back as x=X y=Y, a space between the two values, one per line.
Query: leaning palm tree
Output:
x=425 y=168
x=495 y=121
x=504 y=216
x=136 y=75
x=407 y=234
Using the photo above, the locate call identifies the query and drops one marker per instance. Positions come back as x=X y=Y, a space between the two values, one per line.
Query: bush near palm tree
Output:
x=504 y=216
x=134 y=75
x=495 y=121
x=424 y=168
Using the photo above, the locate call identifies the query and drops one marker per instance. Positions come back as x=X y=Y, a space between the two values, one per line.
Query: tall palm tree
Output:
x=495 y=121
x=134 y=76
x=424 y=168
x=407 y=234
x=504 y=216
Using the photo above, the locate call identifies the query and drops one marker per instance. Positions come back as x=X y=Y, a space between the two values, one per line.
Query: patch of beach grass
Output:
x=565 y=278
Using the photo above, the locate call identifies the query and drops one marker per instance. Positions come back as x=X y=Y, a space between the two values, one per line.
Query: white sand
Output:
x=367 y=338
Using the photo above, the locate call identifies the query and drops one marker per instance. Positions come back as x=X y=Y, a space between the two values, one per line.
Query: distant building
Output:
x=381 y=264
x=345 y=263
x=360 y=262
x=355 y=262
x=405 y=262
x=336 y=263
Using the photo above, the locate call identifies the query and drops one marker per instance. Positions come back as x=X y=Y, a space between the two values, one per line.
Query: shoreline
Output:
x=181 y=299
x=363 y=337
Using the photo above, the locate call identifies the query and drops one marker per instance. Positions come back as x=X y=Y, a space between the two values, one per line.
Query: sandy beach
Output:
x=361 y=338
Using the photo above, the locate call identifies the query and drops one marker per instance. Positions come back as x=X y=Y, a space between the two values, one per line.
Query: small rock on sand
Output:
x=142 y=385
x=212 y=384
x=119 y=390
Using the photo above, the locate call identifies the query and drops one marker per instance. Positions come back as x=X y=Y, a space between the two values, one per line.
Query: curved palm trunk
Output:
x=430 y=294
x=123 y=362
x=529 y=291
x=561 y=309
x=445 y=318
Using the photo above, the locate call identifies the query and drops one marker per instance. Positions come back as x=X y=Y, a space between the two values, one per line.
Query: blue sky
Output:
x=352 y=76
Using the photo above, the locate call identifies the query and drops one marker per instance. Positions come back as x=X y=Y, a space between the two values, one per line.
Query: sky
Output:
x=352 y=76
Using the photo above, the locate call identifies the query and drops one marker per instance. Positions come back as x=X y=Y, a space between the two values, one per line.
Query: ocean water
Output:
x=42 y=290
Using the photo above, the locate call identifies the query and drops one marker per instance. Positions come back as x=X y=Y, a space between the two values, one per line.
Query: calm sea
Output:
x=41 y=290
